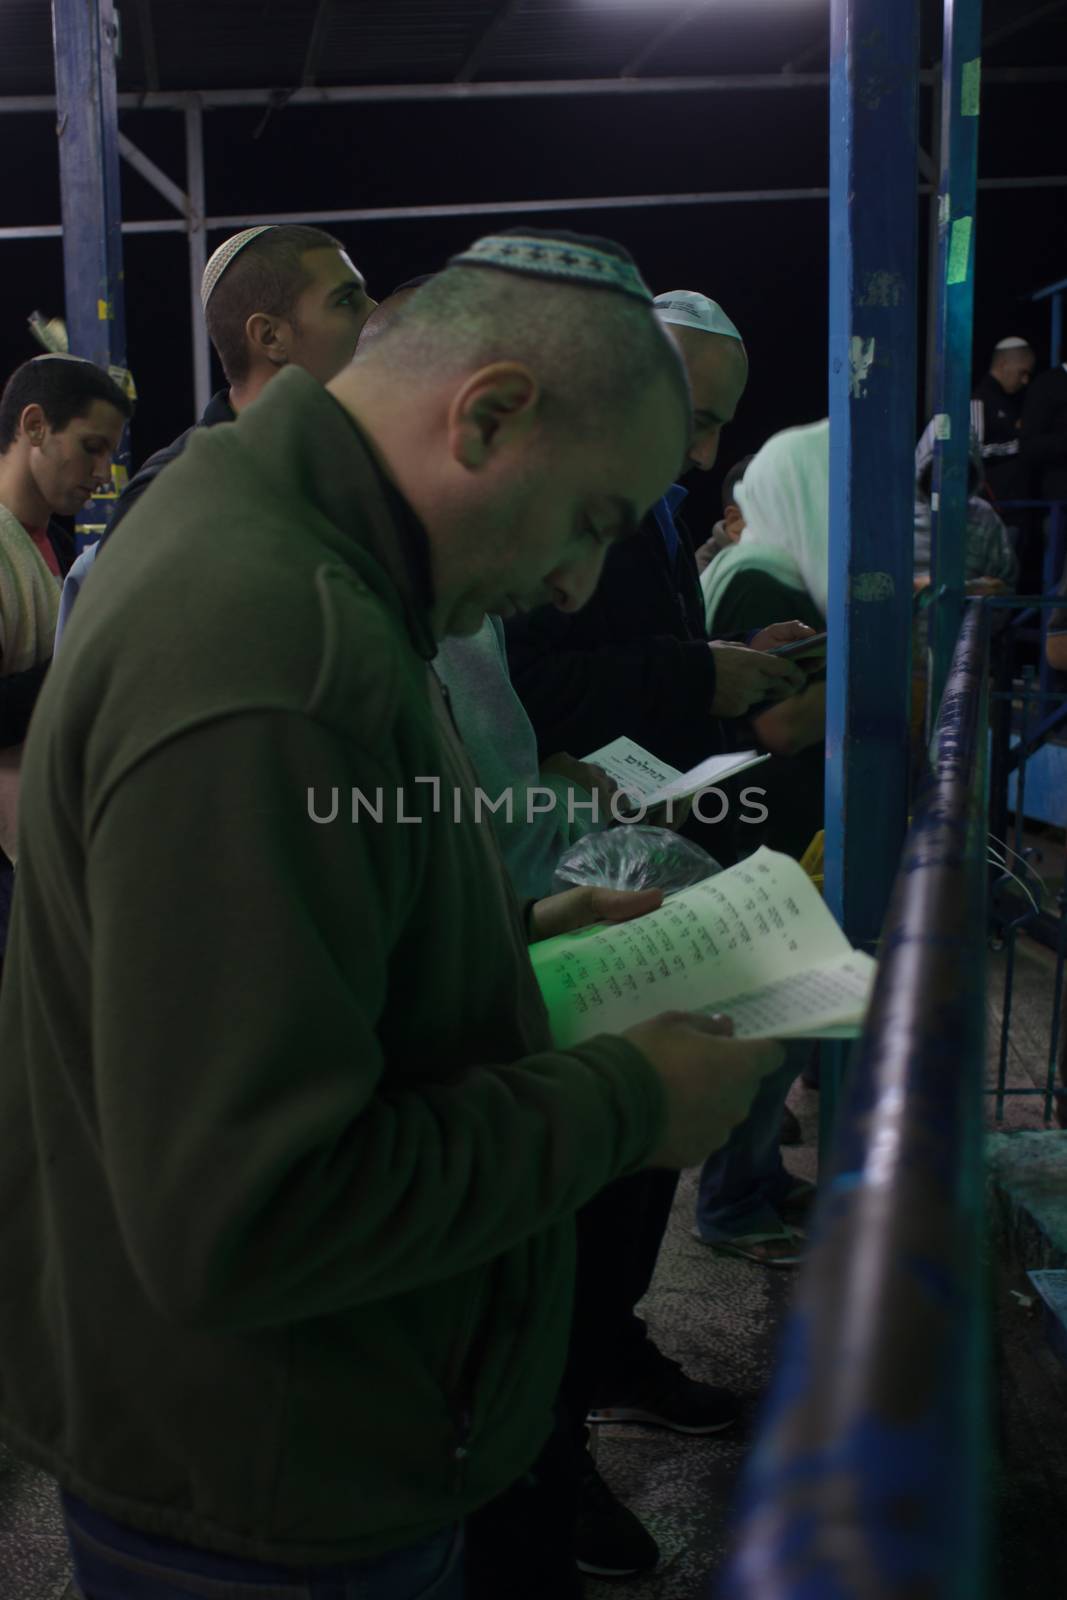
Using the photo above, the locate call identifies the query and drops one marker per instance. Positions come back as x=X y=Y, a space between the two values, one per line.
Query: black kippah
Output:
x=585 y=261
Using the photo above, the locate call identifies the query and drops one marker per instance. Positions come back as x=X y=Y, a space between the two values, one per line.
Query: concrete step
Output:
x=1026 y=1173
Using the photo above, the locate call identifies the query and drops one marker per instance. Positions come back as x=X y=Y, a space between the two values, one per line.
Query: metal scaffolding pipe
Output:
x=194 y=177
x=153 y=174
x=389 y=93
x=490 y=208
x=84 y=34
x=873 y=325
x=54 y=230
x=960 y=95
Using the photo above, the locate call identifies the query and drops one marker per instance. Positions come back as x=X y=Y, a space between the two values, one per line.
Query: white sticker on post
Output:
x=860 y=361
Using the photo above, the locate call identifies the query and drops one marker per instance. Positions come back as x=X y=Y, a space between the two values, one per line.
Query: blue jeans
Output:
x=742 y=1185
x=119 y=1563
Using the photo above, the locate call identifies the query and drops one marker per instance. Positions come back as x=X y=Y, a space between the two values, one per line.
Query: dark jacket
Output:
x=633 y=661
x=1045 y=433
x=218 y=409
x=1003 y=466
x=289 y=1162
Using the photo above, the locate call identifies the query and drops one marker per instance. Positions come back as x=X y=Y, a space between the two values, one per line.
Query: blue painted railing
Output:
x=866 y=1479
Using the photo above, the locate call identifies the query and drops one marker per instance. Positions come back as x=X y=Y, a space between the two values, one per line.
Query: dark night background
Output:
x=766 y=262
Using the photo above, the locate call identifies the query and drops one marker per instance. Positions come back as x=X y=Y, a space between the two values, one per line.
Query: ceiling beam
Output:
x=485 y=38
x=178 y=100
x=619 y=202
x=387 y=93
x=315 y=42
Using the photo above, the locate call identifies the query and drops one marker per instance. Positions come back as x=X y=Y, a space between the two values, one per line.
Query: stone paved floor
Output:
x=722 y=1318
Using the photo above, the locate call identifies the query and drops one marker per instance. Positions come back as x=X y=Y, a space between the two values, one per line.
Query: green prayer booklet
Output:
x=755 y=942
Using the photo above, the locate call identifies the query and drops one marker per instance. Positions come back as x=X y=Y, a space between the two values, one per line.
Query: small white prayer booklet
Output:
x=755 y=942
x=652 y=782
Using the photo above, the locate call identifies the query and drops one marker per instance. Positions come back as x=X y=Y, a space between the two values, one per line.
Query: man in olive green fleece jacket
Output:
x=289 y=1159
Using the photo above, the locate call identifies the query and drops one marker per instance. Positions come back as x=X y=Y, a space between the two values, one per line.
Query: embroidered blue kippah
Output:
x=584 y=261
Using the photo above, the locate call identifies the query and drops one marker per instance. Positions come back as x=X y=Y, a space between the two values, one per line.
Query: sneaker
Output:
x=609 y=1541
x=783 y=1248
x=663 y=1397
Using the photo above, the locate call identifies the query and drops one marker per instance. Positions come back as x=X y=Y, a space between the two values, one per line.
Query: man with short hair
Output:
x=61 y=419
x=277 y=295
x=637 y=660
x=729 y=528
x=1001 y=395
x=996 y=422
x=291 y=1145
x=540 y=807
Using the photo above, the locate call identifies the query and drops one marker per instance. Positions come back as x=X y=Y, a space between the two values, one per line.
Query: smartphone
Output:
x=814 y=645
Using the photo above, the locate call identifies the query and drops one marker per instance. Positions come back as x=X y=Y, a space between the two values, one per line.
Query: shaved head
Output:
x=717 y=368
x=528 y=422
x=383 y=316
x=591 y=350
x=1013 y=367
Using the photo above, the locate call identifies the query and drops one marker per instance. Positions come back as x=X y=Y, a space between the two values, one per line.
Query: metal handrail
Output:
x=867 y=1476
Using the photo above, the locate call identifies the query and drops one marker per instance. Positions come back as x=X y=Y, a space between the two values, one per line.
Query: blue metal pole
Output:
x=84 y=34
x=873 y=337
x=961 y=68
x=867 y=1478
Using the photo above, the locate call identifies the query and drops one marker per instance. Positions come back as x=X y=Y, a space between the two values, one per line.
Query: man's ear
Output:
x=733 y=523
x=493 y=407
x=268 y=337
x=33 y=424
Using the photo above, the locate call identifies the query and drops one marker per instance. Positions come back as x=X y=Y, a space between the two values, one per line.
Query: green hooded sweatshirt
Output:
x=289 y=1162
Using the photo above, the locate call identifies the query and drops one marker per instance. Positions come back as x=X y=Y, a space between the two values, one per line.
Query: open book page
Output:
x=757 y=935
x=653 y=782
x=809 y=1005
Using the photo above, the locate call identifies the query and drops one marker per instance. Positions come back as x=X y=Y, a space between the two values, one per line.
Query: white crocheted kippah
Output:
x=224 y=255
x=582 y=260
x=686 y=308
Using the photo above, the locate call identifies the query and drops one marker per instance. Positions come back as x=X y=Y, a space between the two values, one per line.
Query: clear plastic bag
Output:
x=634 y=857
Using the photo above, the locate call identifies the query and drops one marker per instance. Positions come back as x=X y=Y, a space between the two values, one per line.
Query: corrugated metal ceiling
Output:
x=201 y=44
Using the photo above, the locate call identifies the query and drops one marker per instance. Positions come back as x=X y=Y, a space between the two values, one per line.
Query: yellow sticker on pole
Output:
x=103 y=310
x=959 y=250
x=971 y=87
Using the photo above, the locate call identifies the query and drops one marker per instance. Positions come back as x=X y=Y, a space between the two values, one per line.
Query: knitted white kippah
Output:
x=1012 y=344
x=685 y=308
x=224 y=255
x=583 y=261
